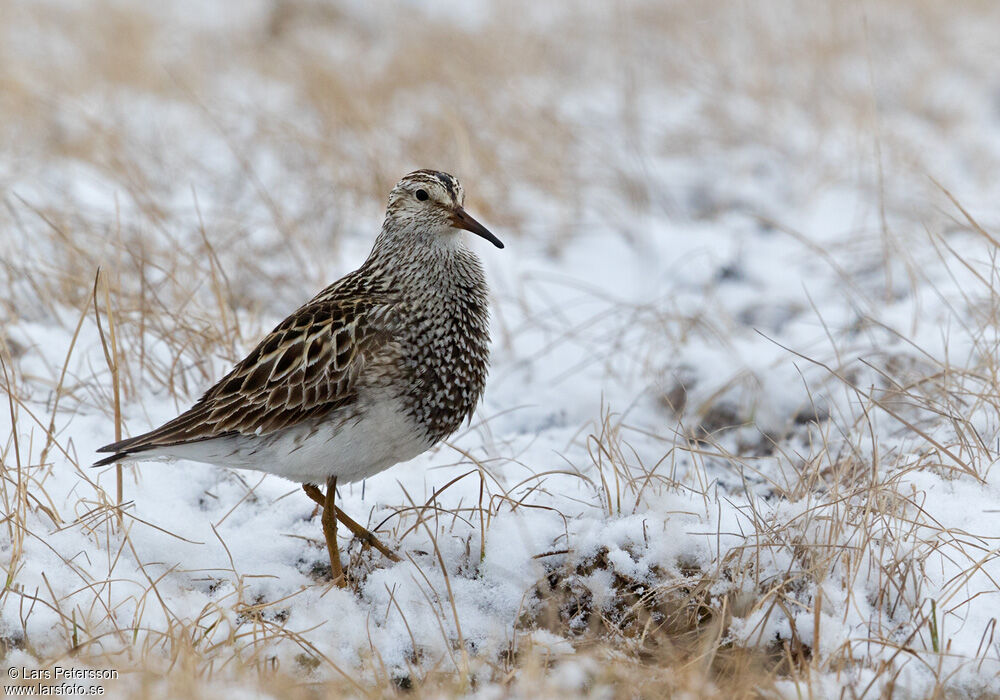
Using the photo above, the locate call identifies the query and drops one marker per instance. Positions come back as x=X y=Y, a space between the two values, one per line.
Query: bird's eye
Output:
x=421 y=194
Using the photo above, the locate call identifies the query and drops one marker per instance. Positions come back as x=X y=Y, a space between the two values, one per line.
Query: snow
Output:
x=714 y=275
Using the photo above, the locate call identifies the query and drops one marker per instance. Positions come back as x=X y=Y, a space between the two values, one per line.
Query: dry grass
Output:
x=212 y=150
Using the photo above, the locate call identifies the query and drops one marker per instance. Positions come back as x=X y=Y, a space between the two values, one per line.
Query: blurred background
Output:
x=722 y=218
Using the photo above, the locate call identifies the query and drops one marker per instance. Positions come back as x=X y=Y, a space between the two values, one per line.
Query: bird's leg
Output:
x=363 y=534
x=312 y=490
x=329 y=520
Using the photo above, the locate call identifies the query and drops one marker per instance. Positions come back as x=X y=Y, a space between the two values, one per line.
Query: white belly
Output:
x=380 y=436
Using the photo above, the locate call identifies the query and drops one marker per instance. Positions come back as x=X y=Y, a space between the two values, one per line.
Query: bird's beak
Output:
x=461 y=219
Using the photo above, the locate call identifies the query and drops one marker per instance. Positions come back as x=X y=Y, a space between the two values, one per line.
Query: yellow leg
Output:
x=329 y=520
x=356 y=528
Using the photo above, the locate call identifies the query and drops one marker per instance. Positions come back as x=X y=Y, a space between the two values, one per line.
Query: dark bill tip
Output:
x=461 y=219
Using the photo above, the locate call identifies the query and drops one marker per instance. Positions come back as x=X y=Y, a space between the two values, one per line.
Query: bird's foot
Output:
x=367 y=537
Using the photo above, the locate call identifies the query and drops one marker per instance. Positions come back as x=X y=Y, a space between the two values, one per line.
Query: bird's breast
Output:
x=444 y=348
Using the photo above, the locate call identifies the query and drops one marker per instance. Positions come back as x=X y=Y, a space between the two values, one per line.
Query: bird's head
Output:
x=428 y=203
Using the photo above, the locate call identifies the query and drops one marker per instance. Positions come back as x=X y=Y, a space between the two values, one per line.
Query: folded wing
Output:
x=305 y=368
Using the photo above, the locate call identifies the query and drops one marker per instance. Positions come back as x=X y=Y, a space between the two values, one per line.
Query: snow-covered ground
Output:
x=742 y=410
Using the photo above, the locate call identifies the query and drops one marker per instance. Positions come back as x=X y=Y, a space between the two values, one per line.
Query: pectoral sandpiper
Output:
x=373 y=371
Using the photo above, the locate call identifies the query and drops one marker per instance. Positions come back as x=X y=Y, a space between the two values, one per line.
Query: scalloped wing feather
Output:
x=306 y=367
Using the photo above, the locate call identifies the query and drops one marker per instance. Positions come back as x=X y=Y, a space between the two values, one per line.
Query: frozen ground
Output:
x=742 y=421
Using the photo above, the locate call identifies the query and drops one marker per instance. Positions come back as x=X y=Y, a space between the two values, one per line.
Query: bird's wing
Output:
x=306 y=367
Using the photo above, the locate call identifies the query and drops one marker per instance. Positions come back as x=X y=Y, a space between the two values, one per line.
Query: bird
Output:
x=374 y=370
